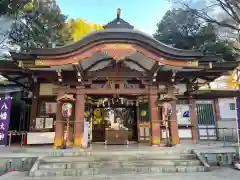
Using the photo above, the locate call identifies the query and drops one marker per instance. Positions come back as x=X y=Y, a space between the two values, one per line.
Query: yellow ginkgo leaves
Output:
x=232 y=80
x=28 y=7
x=81 y=28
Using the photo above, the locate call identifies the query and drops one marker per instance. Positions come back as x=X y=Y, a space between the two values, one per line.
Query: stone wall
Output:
x=227 y=121
x=227 y=130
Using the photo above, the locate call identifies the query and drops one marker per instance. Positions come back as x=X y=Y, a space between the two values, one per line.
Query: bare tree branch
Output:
x=228 y=7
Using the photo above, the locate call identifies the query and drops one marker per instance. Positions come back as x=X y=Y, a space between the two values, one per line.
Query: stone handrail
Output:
x=203 y=161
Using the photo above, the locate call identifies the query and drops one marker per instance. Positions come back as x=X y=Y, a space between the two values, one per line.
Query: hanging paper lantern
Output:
x=67 y=109
x=97 y=116
x=143 y=113
x=86 y=114
x=97 y=112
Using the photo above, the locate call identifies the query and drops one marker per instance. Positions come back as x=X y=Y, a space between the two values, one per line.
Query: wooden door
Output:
x=206 y=120
x=129 y=120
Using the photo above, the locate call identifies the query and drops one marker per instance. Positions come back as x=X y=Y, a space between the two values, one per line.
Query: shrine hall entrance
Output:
x=114 y=115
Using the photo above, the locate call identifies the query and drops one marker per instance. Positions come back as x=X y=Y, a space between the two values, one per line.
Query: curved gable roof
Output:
x=119 y=34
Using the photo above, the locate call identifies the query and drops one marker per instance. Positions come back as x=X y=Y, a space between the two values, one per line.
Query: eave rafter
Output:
x=81 y=70
x=18 y=78
x=154 y=71
x=9 y=78
x=80 y=73
x=59 y=75
x=173 y=78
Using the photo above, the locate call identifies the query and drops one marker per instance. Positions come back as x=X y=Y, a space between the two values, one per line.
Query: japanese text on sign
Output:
x=5 y=110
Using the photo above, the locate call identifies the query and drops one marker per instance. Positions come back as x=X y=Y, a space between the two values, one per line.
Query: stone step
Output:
x=118 y=158
x=119 y=164
x=67 y=153
x=110 y=171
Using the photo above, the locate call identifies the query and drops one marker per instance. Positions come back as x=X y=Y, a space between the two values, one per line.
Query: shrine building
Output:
x=121 y=76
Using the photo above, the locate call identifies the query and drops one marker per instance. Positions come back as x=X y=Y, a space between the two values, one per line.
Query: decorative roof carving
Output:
x=66 y=97
x=167 y=97
x=118 y=23
x=119 y=51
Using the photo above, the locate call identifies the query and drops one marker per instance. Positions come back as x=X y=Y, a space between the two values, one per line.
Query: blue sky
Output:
x=140 y=13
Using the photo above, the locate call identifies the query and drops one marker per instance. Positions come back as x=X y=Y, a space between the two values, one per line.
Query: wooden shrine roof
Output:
x=120 y=46
x=119 y=41
x=138 y=51
x=15 y=76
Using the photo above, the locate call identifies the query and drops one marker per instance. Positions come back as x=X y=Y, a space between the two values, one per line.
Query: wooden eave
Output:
x=23 y=56
x=208 y=74
x=101 y=41
x=14 y=74
x=214 y=93
x=226 y=64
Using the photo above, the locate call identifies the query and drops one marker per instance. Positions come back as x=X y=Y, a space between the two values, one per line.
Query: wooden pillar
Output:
x=154 y=115
x=193 y=118
x=34 y=106
x=121 y=84
x=173 y=119
x=59 y=125
x=217 y=109
x=138 y=121
x=79 y=117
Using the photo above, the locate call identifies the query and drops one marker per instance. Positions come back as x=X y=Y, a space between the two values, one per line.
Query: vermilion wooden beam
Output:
x=128 y=91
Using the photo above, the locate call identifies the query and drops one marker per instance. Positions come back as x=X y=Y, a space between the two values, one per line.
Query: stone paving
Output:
x=207 y=147
x=216 y=174
x=203 y=147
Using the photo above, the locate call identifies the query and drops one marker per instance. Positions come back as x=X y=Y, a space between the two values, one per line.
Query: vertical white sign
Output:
x=85 y=134
x=183 y=114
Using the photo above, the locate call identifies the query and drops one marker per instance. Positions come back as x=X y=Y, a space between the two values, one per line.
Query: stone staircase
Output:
x=115 y=163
